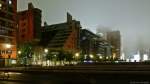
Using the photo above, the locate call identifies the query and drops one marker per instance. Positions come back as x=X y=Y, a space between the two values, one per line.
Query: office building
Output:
x=8 y=28
x=114 y=38
x=29 y=25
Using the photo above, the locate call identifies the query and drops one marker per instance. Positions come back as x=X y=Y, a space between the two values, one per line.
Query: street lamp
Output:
x=9 y=2
x=19 y=52
x=45 y=56
x=76 y=54
x=100 y=57
x=91 y=56
x=107 y=57
x=46 y=50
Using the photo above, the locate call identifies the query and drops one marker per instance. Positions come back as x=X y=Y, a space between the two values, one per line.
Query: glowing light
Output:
x=55 y=55
x=77 y=54
x=127 y=60
x=145 y=57
x=19 y=52
x=39 y=62
x=10 y=2
x=85 y=56
x=14 y=73
x=46 y=50
x=100 y=57
x=14 y=62
x=8 y=46
x=136 y=58
x=0 y=6
x=122 y=56
x=114 y=55
x=91 y=56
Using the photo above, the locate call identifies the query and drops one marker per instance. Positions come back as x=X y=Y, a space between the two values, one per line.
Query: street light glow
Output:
x=46 y=50
x=91 y=56
x=19 y=52
x=77 y=54
x=10 y=2
x=0 y=5
x=100 y=57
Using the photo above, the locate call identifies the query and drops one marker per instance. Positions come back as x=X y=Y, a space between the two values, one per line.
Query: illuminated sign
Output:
x=5 y=51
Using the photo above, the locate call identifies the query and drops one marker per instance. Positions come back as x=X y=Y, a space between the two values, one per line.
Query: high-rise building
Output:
x=8 y=28
x=62 y=36
x=104 y=49
x=29 y=24
x=94 y=45
x=87 y=43
x=114 y=38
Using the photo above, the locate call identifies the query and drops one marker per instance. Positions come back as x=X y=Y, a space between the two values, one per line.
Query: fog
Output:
x=131 y=17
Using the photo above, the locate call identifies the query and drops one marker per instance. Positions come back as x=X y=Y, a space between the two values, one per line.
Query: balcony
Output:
x=6 y=36
x=7 y=20
x=7 y=26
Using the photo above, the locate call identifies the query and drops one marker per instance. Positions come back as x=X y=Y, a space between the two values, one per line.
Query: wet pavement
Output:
x=73 y=78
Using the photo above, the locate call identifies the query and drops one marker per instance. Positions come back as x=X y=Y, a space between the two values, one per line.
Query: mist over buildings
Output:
x=130 y=17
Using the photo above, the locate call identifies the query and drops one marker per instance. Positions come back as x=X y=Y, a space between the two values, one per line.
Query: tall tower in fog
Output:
x=114 y=38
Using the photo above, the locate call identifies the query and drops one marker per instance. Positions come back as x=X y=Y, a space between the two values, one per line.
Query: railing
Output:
x=83 y=69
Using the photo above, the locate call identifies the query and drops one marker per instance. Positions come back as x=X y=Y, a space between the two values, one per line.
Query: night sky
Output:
x=131 y=17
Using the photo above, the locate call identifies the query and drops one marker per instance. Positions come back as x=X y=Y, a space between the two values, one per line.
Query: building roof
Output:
x=56 y=34
x=90 y=34
x=53 y=27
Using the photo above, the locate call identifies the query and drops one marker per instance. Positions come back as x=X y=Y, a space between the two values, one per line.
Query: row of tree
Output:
x=28 y=50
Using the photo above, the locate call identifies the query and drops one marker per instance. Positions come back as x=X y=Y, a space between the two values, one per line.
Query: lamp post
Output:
x=19 y=52
x=18 y=56
x=77 y=56
x=45 y=55
x=46 y=50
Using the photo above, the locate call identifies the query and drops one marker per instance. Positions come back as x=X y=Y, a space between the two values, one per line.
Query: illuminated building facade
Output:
x=8 y=28
x=29 y=24
x=88 y=44
x=62 y=36
x=92 y=44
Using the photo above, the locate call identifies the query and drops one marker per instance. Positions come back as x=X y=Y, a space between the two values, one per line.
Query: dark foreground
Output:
x=94 y=74
x=75 y=78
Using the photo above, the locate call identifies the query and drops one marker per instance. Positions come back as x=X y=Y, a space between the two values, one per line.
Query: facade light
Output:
x=46 y=50
x=8 y=46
